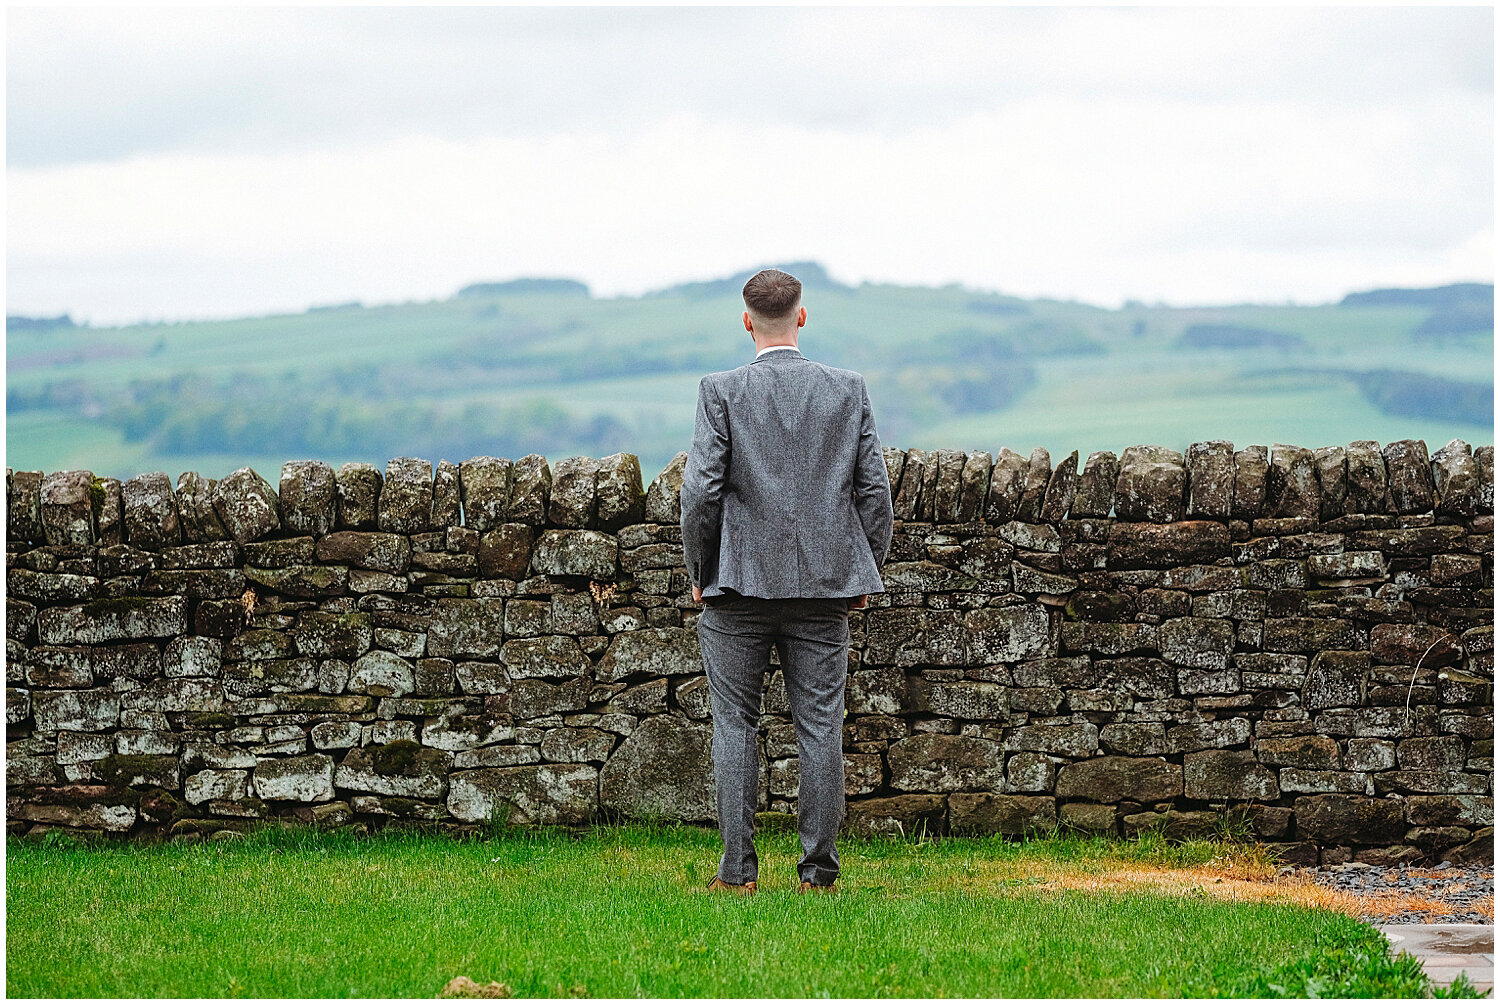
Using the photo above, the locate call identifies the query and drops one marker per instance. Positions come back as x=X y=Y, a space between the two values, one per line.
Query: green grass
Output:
x=620 y=912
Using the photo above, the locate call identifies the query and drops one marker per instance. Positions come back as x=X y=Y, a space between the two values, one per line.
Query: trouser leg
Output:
x=736 y=644
x=813 y=645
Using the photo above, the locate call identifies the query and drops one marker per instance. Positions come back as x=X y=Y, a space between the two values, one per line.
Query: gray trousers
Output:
x=811 y=636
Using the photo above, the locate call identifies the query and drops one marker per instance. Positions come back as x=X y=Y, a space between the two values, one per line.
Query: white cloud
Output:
x=218 y=162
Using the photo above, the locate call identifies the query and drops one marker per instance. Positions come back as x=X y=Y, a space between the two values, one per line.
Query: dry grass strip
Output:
x=1229 y=878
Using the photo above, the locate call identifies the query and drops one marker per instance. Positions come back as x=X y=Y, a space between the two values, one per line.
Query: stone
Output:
x=996 y=813
x=1450 y=810
x=617 y=487
x=1210 y=467
x=1162 y=546
x=1405 y=645
x=1136 y=739
x=1431 y=753
x=1344 y=819
x=573 y=500
x=1005 y=634
x=1030 y=771
x=1333 y=483
x=1112 y=779
x=446 y=509
x=577 y=745
x=1318 y=753
x=1061 y=487
x=1034 y=485
x=663 y=770
x=246 y=505
x=971 y=700
x=1001 y=501
x=113 y=620
x=973 y=483
x=336 y=735
x=939 y=762
x=576 y=553
x=1308 y=635
x=529 y=699
x=1227 y=775
x=663 y=496
x=50 y=587
x=398 y=768
x=270 y=676
x=214 y=783
x=306 y=779
x=531 y=484
x=99 y=807
x=24 y=507
x=1364 y=471
x=896 y=816
x=1292 y=483
x=1218 y=733
x=381 y=552
x=85 y=710
x=1337 y=679
x=381 y=674
x=308 y=493
x=1348 y=565
x=1308 y=780
x=544 y=656
x=533 y=794
x=466 y=628
x=150 y=511
x=476 y=677
x=178 y=694
x=651 y=652
x=1075 y=739
x=60 y=666
x=1484 y=458
x=484 y=485
x=1152 y=485
x=324 y=633
x=405 y=504
x=358 y=486
x=950 y=465
x=1108 y=638
x=1408 y=476
x=196 y=517
x=1251 y=472
x=1203 y=643
x=1094 y=496
x=505 y=551
x=302 y=580
x=67 y=507
x=907 y=496
x=1090 y=818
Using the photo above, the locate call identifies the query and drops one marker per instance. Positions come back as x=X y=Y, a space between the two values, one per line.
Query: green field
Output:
x=620 y=912
x=518 y=371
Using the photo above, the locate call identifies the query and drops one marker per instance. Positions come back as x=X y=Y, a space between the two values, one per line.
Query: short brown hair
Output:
x=772 y=295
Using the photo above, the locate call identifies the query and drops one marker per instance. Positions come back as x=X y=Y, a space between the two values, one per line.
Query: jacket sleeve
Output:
x=703 y=484
x=872 y=487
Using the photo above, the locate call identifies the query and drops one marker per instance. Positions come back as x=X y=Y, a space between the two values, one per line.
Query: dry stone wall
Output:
x=1295 y=643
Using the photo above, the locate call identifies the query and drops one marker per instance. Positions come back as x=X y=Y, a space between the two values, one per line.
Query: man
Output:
x=786 y=522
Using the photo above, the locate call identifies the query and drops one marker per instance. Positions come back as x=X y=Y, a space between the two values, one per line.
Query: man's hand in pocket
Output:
x=697 y=595
x=860 y=601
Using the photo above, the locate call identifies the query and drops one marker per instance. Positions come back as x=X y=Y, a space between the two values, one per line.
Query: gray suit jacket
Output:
x=785 y=491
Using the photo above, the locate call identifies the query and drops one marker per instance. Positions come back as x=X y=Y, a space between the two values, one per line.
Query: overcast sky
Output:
x=193 y=162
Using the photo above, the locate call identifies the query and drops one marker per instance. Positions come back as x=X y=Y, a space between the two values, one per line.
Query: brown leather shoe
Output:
x=717 y=885
x=809 y=887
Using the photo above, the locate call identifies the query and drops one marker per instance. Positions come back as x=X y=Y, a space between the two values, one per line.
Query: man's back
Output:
x=785 y=491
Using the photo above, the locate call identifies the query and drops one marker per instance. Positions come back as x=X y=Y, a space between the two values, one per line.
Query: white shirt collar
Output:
x=773 y=348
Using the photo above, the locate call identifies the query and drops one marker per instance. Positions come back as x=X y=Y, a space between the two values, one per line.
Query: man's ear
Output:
x=801 y=316
x=748 y=326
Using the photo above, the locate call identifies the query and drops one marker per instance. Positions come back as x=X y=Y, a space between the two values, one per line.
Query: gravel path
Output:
x=1460 y=887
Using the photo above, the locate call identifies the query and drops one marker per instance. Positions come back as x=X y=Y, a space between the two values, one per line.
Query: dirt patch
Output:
x=1232 y=880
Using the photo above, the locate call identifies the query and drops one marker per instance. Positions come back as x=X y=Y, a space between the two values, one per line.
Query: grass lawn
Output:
x=619 y=912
